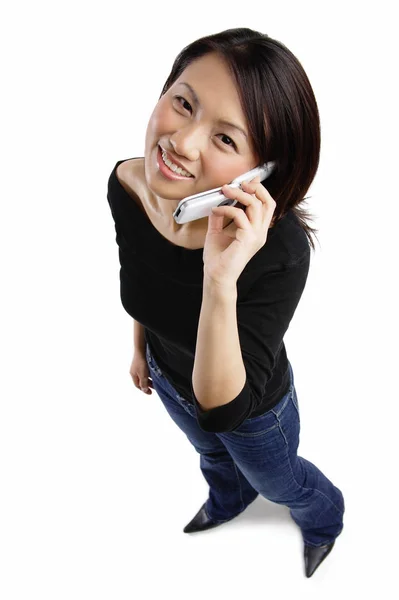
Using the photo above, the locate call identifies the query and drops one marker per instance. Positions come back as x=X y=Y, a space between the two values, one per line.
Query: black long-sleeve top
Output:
x=161 y=286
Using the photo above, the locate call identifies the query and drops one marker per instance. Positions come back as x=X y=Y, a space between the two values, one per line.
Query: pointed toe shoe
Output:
x=314 y=556
x=200 y=522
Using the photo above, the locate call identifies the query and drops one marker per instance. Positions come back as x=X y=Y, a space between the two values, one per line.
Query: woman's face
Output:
x=213 y=152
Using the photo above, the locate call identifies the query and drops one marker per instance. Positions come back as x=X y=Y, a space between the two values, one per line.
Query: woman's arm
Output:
x=138 y=338
x=219 y=373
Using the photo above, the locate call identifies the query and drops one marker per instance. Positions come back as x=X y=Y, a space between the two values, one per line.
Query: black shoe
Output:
x=314 y=556
x=200 y=522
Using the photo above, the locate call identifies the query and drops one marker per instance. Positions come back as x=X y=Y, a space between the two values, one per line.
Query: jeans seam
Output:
x=239 y=484
x=294 y=478
x=282 y=432
x=296 y=408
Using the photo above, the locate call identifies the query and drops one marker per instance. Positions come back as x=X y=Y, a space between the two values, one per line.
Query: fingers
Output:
x=142 y=383
x=257 y=213
x=250 y=186
x=242 y=195
x=145 y=385
x=239 y=217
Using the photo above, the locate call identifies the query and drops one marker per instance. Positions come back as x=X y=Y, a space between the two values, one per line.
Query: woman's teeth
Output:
x=174 y=167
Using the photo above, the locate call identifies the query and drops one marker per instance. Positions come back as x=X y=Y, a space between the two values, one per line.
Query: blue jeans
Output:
x=259 y=457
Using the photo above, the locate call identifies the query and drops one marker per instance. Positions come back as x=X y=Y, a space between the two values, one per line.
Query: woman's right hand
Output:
x=140 y=372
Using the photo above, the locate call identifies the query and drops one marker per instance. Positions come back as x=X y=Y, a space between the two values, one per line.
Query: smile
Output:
x=175 y=168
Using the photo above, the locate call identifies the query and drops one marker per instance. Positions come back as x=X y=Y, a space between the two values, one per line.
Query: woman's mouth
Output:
x=168 y=169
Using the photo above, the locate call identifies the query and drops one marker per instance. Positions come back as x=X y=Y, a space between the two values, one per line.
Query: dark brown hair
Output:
x=280 y=107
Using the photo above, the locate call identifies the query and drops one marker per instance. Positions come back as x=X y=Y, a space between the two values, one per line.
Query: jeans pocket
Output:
x=265 y=423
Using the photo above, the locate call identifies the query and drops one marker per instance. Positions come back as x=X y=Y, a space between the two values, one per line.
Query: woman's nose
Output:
x=187 y=143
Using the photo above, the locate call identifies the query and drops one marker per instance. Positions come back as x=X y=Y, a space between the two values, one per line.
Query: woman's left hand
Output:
x=225 y=255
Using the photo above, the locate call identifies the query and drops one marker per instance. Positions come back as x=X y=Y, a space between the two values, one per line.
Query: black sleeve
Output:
x=263 y=318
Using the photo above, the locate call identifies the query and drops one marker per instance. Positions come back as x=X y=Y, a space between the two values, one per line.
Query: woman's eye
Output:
x=229 y=138
x=178 y=98
x=184 y=100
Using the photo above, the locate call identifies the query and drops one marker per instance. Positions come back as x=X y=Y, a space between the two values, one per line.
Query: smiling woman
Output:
x=282 y=125
x=211 y=306
x=202 y=133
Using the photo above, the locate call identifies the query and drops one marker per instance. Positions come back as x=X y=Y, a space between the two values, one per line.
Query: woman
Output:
x=212 y=299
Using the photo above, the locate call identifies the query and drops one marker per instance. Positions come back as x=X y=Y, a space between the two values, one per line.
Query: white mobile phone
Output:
x=200 y=205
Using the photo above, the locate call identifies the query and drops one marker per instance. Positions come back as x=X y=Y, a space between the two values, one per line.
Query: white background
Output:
x=97 y=482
